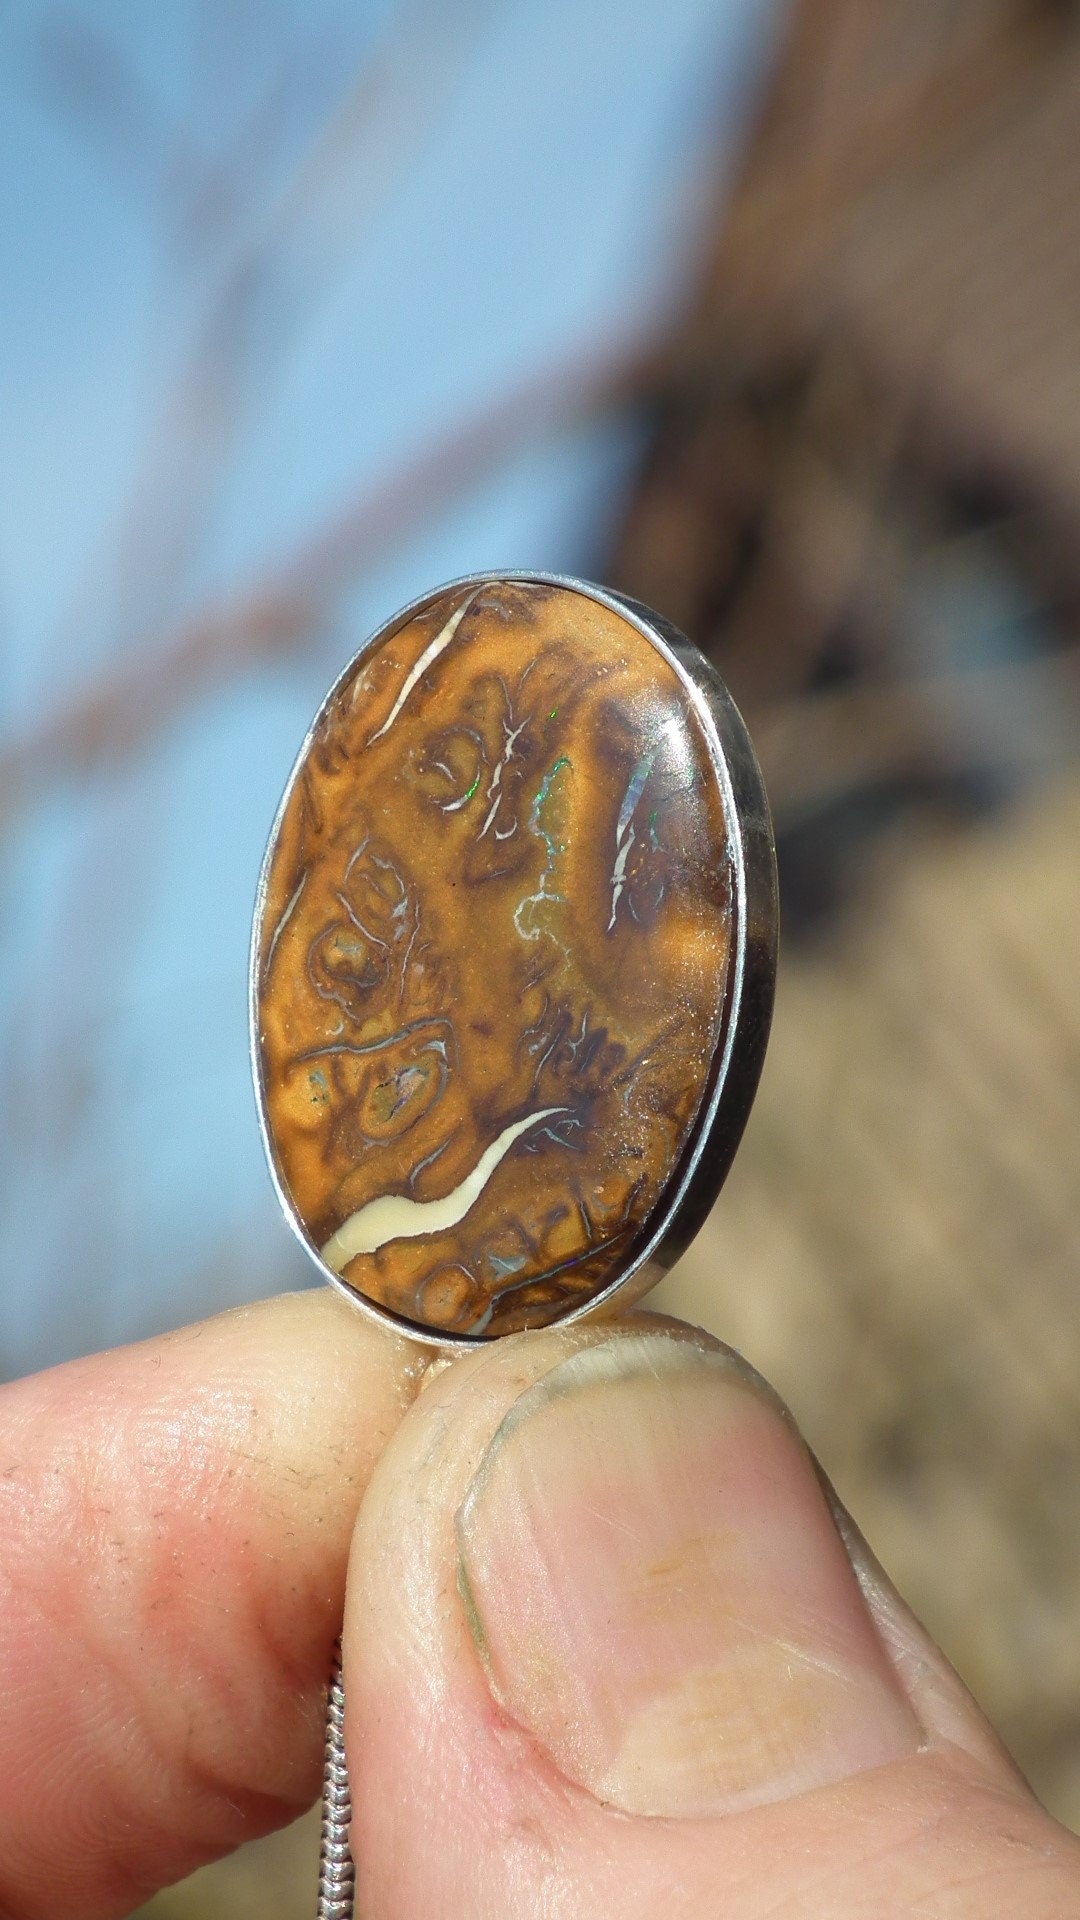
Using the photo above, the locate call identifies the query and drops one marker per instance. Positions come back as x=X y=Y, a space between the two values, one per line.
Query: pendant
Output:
x=512 y=972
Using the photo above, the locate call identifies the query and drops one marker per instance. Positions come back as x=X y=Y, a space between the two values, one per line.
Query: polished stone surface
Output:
x=493 y=957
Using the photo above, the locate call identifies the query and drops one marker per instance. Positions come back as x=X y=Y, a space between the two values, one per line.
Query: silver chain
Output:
x=337 y=1874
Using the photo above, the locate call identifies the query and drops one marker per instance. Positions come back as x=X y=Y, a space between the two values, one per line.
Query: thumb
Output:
x=610 y=1648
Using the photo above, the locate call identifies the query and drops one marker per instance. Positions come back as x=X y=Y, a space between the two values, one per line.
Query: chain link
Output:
x=337 y=1873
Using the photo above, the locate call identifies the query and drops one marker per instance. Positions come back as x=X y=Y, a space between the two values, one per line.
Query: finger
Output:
x=941 y=1701
x=606 y=1653
x=174 y=1528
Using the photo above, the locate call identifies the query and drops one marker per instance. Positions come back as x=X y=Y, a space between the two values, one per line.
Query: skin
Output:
x=175 y=1527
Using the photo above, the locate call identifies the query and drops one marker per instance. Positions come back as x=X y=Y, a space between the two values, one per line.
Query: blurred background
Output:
x=767 y=311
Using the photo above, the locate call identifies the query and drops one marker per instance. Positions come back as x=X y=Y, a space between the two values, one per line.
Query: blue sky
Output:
x=501 y=185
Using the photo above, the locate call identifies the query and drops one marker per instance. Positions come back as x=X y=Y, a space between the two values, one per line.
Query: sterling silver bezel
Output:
x=699 y=1174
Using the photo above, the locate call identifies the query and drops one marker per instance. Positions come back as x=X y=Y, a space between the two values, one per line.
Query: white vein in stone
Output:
x=427 y=658
x=284 y=921
x=393 y=1216
x=496 y=778
x=618 y=875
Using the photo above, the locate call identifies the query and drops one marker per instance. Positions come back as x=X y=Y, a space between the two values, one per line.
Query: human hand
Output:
x=174 y=1530
x=606 y=1651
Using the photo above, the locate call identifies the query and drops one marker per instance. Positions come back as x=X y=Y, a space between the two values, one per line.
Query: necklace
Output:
x=511 y=978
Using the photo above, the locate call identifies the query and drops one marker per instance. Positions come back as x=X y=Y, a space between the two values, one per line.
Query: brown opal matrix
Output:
x=492 y=957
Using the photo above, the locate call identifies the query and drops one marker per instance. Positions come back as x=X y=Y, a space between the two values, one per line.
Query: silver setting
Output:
x=702 y=1168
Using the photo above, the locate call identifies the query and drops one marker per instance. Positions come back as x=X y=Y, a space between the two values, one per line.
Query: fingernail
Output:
x=658 y=1592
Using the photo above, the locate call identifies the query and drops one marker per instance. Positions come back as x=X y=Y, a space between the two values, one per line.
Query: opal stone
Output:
x=492 y=957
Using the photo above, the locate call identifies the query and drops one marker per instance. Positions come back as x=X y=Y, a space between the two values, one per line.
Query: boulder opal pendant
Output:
x=513 y=958
x=511 y=975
